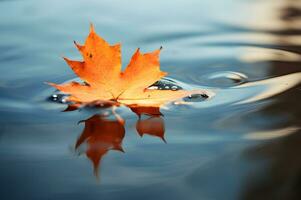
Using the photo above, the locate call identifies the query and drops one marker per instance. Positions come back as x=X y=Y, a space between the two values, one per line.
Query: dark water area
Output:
x=241 y=143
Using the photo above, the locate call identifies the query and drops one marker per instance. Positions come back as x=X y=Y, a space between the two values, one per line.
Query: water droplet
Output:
x=59 y=98
x=165 y=84
x=196 y=97
x=152 y=88
x=205 y=95
x=174 y=88
x=106 y=114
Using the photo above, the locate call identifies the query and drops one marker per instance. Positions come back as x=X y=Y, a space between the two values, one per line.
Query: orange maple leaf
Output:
x=104 y=80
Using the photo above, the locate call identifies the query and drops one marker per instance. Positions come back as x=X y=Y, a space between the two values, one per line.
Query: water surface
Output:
x=242 y=143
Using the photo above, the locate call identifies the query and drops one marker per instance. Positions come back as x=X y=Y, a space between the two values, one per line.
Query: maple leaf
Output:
x=104 y=81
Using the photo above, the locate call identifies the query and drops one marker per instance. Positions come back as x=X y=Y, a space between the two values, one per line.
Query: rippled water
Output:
x=242 y=142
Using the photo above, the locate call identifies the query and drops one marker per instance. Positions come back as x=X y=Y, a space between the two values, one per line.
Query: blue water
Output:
x=241 y=143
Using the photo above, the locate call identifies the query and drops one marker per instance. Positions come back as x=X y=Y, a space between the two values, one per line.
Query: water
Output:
x=241 y=143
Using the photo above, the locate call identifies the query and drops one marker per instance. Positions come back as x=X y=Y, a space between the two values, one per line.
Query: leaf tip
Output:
x=137 y=52
x=92 y=30
x=78 y=46
x=49 y=83
x=157 y=51
x=164 y=140
x=164 y=74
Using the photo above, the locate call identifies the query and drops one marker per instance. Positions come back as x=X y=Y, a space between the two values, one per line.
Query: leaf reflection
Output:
x=153 y=126
x=100 y=134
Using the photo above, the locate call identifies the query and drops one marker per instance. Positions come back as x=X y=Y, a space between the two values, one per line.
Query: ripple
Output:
x=270 y=87
x=256 y=54
x=248 y=92
x=224 y=79
x=266 y=135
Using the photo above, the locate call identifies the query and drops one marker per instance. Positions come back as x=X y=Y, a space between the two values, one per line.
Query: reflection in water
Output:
x=280 y=176
x=100 y=135
x=273 y=86
x=153 y=126
x=264 y=135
